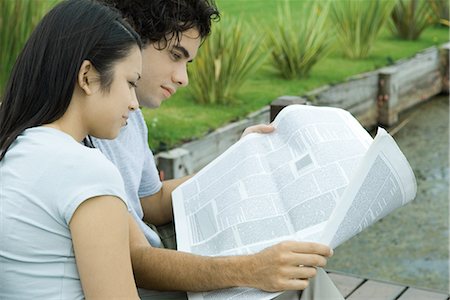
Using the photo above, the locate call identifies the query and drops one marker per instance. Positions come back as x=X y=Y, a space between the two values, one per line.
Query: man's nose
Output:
x=180 y=76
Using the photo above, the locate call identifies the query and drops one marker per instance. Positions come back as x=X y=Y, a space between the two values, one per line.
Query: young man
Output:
x=172 y=31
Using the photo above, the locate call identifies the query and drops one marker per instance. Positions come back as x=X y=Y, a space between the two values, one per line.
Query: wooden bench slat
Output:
x=345 y=284
x=418 y=294
x=375 y=290
x=359 y=288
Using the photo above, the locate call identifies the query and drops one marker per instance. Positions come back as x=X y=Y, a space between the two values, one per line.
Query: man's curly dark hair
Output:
x=159 y=21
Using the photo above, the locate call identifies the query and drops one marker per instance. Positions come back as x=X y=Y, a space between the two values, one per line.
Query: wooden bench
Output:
x=356 y=288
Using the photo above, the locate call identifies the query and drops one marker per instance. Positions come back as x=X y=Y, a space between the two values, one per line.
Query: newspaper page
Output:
x=256 y=193
x=383 y=182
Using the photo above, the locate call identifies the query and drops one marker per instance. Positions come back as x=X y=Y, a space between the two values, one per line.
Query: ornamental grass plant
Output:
x=298 y=43
x=228 y=57
x=442 y=10
x=17 y=20
x=409 y=18
x=358 y=24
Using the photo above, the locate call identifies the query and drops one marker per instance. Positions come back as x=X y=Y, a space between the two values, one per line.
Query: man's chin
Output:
x=150 y=103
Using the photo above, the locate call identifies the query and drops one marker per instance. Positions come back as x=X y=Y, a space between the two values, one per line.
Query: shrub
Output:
x=226 y=60
x=441 y=10
x=299 y=44
x=358 y=23
x=410 y=17
x=17 y=20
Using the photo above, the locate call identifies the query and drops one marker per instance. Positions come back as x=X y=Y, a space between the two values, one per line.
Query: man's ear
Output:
x=85 y=77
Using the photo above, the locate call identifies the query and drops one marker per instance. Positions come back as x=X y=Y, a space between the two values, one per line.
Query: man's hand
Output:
x=260 y=128
x=288 y=265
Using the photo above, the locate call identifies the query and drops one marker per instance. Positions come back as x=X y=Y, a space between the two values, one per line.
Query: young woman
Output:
x=63 y=212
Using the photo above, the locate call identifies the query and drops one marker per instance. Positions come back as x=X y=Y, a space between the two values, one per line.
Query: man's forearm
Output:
x=285 y=266
x=158 y=207
x=176 y=270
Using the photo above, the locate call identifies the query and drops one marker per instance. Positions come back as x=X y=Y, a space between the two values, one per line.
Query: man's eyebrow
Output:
x=182 y=50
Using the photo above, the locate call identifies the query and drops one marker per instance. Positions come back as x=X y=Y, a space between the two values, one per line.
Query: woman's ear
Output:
x=84 y=75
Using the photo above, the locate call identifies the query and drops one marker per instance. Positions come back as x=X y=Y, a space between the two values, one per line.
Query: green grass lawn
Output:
x=179 y=119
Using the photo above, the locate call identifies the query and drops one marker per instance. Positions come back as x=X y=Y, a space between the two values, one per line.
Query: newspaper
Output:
x=318 y=177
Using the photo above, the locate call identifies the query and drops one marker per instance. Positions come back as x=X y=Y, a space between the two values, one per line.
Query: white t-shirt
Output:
x=130 y=153
x=44 y=177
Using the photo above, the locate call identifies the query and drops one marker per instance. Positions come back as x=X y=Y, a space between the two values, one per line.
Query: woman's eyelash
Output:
x=133 y=84
x=176 y=55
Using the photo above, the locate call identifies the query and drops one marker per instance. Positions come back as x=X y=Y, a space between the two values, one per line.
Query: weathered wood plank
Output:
x=420 y=89
x=366 y=113
x=345 y=284
x=281 y=102
x=407 y=83
x=387 y=96
x=445 y=56
x=412 y=69
x=418 y=294
x=376 y=290
x=347 y=94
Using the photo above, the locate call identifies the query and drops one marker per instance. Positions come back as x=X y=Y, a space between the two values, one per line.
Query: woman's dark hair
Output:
x=159 y=21
x=43 y=78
